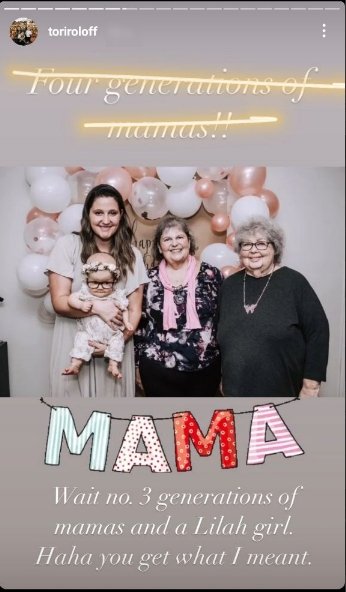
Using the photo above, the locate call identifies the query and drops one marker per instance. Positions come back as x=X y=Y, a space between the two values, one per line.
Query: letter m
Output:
x=62 y=425
x=186 y=428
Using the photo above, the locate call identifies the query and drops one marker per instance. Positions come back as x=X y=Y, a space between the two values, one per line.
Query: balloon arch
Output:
x=230 y=195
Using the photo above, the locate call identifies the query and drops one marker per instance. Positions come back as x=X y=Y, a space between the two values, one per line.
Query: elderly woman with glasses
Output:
x=273 y=332
x=177 y=352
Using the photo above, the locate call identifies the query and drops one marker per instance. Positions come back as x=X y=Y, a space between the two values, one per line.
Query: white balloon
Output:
x=176 y=176
x=37 y=293
x=247 y=207
x=33 y=173
x=44 y=315
x=47 y=303
x=149 y=198
x=183 y=201
x=50 y=193
x=31 y=272
x=70 y=219
x=40 y=235
x=219 y=255
x=140 y=196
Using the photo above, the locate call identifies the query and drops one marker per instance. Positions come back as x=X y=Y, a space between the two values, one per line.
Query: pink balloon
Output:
x=271 y=200
x=220 y=222
x=230 y=240
x=118 y=178
x=247 y=180
x=140 y=172
x=229 y=270
x=36 y=213
x=204 y=188
x=72 y=170
x=213 y=173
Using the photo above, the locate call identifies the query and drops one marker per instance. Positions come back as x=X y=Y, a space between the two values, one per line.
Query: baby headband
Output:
x=97 y=266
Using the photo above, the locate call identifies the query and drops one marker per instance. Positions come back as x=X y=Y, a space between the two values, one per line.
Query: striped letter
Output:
x=62 y=424
x=259 y=447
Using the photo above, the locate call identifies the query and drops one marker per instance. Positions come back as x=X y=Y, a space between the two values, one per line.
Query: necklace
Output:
x=178 y=294
x=177 y=277
x=252 y=307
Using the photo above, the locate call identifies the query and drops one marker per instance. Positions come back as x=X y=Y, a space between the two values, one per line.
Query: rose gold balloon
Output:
x=140 y=172
x=271 y=200
x=247 y=180
x=118 y=178
x=36 y=213
x=213 y=173
x=230 y=240
x=220 y=222
x=73 y=170
x=229 y=270
x=204 y=188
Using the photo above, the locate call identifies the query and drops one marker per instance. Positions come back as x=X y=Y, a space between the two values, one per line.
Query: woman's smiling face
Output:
x=257 y=253
x=174 y=245
x=104 y=217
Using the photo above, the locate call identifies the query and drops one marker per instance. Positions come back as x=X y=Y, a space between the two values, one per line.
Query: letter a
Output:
x=259 y=447
x=141 y=426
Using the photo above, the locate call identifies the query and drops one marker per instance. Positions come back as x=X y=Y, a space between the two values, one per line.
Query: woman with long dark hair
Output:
x=104 y=229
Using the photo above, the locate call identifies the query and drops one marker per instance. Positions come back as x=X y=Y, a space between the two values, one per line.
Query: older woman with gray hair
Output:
x=273 y=332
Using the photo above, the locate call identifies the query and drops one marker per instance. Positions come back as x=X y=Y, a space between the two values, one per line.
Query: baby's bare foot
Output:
x=113 y=368
x=73 y=369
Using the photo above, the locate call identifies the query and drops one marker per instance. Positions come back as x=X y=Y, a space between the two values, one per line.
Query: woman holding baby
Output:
x=105 y=229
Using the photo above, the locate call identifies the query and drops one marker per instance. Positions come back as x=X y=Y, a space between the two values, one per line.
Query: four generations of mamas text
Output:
x=100 y=493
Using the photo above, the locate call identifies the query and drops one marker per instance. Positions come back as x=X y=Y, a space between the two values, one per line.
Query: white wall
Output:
x=311 y=213
x=28 y=339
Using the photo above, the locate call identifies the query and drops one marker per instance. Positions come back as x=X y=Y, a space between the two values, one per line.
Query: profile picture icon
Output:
x=23 y=31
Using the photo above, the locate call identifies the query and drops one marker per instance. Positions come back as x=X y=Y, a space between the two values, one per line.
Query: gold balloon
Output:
x=220 y=222
x=204 y=188
x=71 y=170
x=36 y=213
x=271 y=200
x=230 y=240
x=247 y=180
x=141 y=171
x=118 y=178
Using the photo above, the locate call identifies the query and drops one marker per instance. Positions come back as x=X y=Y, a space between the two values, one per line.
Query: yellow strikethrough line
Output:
x=219 y=81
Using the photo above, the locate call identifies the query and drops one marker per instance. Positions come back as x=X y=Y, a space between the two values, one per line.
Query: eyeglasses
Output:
x=260 y=245
x=97 y=285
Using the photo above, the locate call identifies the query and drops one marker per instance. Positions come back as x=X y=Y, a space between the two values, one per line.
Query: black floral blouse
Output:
x=180 y=348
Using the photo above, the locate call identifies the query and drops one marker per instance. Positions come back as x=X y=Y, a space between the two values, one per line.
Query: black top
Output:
x=286 y=339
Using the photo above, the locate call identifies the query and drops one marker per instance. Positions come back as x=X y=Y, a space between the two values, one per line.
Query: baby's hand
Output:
x=86 y=306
